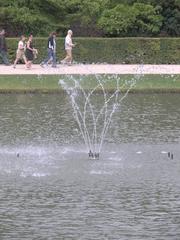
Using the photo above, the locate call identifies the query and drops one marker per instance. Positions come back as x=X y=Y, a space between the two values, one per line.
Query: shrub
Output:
x=111 y=50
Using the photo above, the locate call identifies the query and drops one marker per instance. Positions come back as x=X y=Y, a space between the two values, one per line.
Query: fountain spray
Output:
x=93 y=118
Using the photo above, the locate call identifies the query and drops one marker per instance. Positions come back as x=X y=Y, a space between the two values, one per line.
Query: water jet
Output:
x=94 y=118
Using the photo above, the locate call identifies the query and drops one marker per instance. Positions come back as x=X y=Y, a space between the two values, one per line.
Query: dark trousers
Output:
x=3 y=55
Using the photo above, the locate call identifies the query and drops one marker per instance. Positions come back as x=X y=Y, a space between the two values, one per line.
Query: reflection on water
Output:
x=148 y=118
x=50 y=190
x=48 y=118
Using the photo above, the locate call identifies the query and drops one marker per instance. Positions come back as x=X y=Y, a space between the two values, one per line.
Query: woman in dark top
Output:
x=30 y=51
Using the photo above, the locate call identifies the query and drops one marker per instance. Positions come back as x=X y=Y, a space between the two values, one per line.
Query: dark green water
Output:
x=49 y=189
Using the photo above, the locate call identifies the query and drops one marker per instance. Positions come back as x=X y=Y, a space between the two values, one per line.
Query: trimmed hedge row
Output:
x=111 y=50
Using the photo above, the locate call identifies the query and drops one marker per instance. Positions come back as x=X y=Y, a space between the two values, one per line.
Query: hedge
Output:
x=111 y=50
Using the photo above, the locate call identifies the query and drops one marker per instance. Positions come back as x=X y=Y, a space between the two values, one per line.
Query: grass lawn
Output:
x=48 y=83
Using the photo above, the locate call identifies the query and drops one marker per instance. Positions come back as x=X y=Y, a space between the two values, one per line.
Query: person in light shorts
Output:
x=20 y=54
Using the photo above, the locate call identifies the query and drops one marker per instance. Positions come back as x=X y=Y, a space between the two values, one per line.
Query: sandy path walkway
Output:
x=92 y=69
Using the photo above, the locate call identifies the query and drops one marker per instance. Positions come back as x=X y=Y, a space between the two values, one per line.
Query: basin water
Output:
x=50 y=189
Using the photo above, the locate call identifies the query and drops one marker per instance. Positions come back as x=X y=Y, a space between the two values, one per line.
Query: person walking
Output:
x=20 y=54
x=51 y=51
x=31 y=52
x=68 y=48
x=3 y=48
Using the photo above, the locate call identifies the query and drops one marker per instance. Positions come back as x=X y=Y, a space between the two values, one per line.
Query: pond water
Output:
x=49 y=189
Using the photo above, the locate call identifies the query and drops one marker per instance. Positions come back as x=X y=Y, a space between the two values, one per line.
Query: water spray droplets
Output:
x=93 y=118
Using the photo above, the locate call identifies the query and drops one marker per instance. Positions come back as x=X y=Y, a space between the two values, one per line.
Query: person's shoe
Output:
x=54 y=66
x=42 y=65
x=14 y=66
x=62 y=62
x=7 y=64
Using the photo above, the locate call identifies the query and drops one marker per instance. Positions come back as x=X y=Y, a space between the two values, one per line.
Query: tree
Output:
x=148 y=19
x=139 y=18
x=91 y=17
x=87 y=15
x=37 y=16
x=118 y=21
x=171 y=14
x=18 y=21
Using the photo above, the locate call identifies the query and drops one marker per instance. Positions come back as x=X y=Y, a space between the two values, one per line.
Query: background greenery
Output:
x=111 y=50
x=115 y=18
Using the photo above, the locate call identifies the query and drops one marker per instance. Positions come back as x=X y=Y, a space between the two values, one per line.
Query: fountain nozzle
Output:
x=93 y=155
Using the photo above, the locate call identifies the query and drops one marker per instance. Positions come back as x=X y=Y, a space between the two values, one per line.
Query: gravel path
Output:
x=91 y=69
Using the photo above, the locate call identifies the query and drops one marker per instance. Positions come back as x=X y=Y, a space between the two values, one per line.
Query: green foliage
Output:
x=118 y=20
x=139 y=18
x=94 y=17
x=148 y=19
x=171 y=13
x=37 y=16
x=23 y=21
x=111 y=50
x=91 y=10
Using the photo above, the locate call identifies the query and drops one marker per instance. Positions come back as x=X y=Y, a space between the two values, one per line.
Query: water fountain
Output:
x=94 y=119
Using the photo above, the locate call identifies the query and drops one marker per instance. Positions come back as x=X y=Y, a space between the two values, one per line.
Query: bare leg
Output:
x=15 y=62
x=29 y=64
x=25 y=60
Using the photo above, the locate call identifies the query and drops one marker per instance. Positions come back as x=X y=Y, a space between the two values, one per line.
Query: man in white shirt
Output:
x=68 y=47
